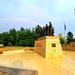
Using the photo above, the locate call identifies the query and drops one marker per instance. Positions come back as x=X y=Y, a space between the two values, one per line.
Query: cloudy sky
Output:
x=29 y=13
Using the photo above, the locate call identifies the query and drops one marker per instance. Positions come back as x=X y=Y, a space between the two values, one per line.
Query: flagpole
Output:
x=65 y=32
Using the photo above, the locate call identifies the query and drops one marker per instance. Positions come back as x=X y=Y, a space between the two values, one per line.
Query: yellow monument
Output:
x=49 y=46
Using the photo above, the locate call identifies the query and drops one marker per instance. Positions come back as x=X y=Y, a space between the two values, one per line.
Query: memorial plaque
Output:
x=53 y=45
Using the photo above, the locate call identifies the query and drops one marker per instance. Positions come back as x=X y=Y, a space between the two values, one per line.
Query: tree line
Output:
x=66 y=40
x=24 y=37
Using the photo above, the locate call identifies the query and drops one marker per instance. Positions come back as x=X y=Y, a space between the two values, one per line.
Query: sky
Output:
x=30 y=13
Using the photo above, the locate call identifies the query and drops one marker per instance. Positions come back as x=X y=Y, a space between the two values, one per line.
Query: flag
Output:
x=64 y=26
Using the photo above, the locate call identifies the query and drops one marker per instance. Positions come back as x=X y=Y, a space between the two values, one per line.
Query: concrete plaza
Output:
x=30 y=60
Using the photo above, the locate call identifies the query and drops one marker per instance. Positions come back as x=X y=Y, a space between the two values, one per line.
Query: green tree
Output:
x=38 y=31
x=69 y=37
x=62 y=39
x=21 y=37
x=1 y=39
x=22 y=29
x=5 y=37
x=13 y=36
x=26 y=37
x=52 y=30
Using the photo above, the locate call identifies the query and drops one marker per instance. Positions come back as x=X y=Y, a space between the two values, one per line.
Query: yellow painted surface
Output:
x=43 y=46
x=31 y=60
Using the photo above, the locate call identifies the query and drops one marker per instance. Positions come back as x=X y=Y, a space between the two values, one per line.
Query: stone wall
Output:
x=40 y=46
x=70 y=46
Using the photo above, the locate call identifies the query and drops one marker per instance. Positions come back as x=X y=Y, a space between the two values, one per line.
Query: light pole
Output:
x=74 y=11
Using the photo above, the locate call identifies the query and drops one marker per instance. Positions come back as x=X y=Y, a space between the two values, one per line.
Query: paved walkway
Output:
x=31 y=60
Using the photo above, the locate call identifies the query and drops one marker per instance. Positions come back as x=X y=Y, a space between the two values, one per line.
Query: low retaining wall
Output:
x=68 y=47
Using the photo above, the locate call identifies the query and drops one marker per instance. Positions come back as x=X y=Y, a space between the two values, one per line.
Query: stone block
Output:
x=48 y=46
x=16 y=71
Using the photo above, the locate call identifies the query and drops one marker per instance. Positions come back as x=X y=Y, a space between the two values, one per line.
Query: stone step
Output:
x=13 y=51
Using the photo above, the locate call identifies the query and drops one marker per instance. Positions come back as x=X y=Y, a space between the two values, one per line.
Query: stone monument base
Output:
x=48 y=46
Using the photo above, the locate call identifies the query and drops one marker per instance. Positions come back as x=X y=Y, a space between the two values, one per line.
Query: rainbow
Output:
x=19 y=19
